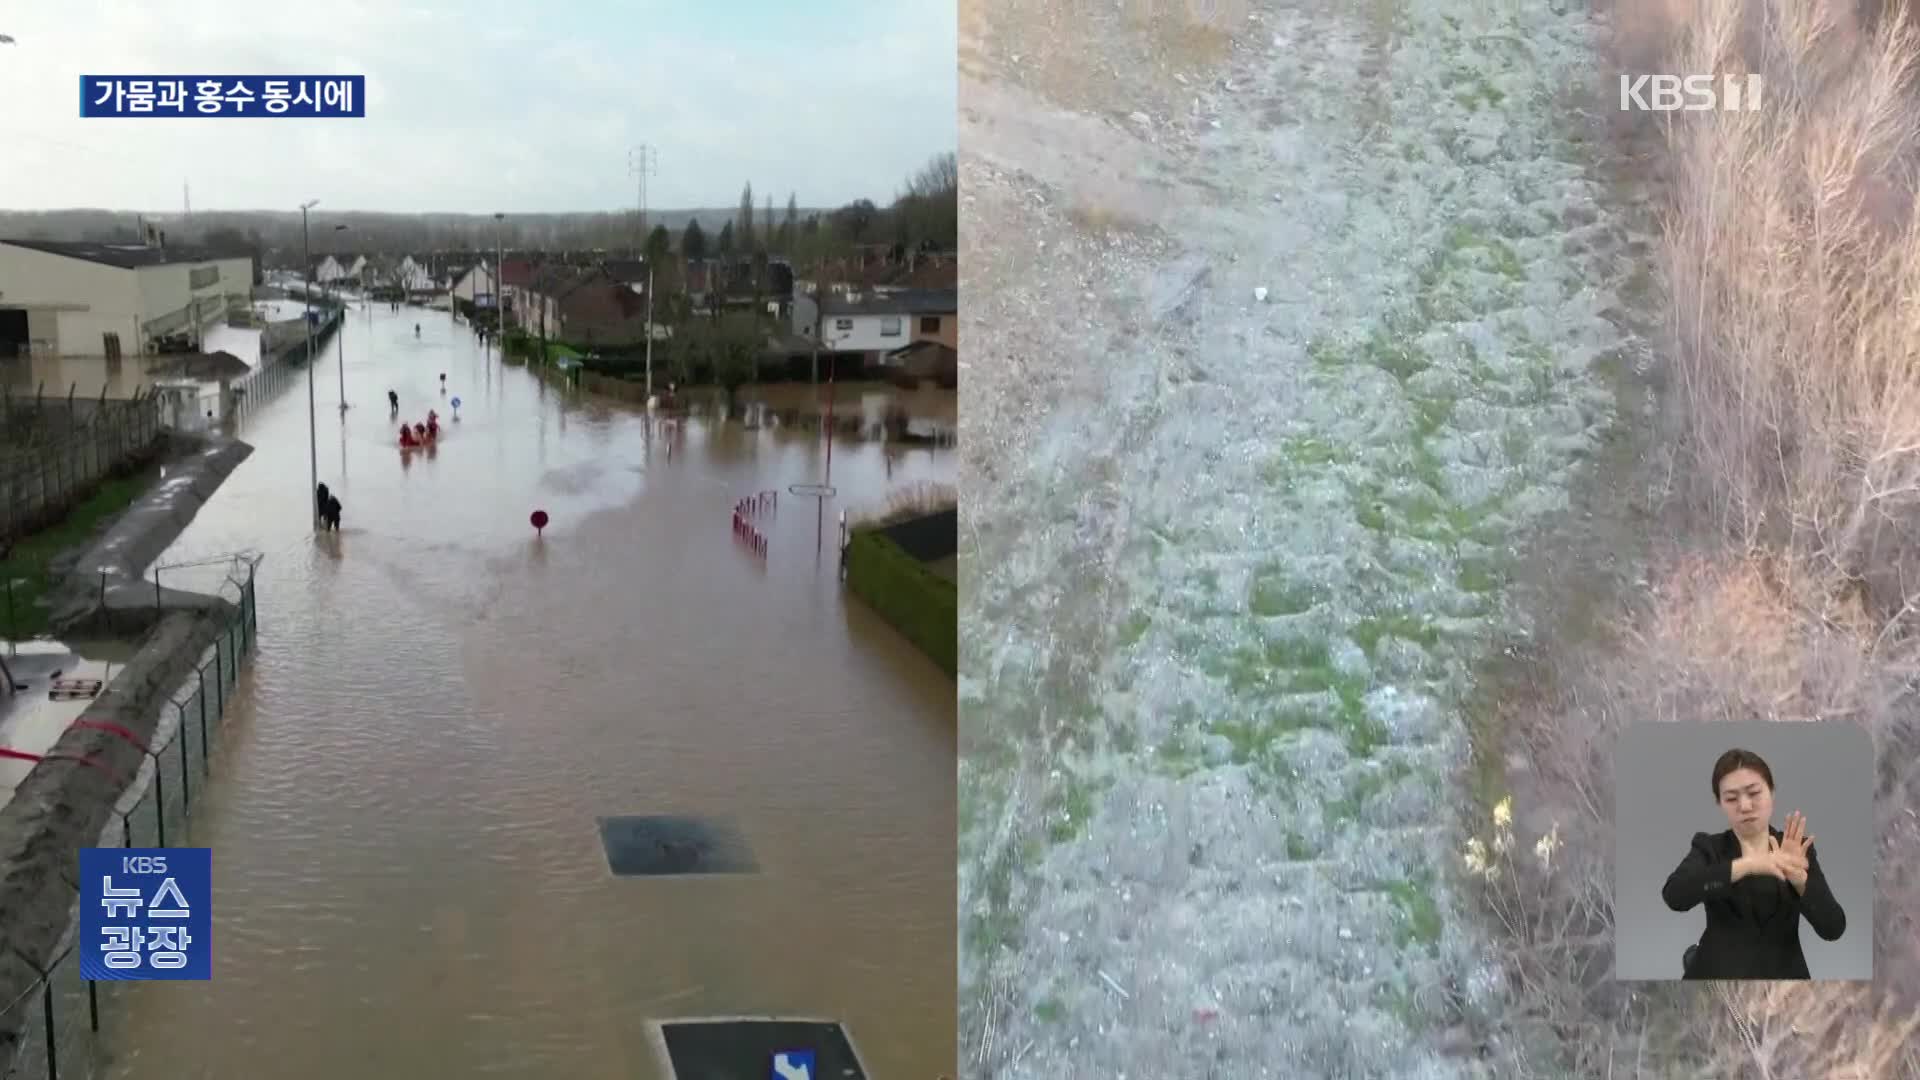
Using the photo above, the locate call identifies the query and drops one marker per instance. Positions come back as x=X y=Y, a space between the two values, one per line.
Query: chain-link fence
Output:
x=55 y=452
x=57 y=1022
x=283 y=355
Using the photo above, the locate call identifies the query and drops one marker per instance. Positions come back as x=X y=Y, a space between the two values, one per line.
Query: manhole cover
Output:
x=758 y=1048
x=669 y=846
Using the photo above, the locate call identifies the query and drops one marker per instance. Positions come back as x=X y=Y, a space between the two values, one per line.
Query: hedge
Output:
x=918 y=602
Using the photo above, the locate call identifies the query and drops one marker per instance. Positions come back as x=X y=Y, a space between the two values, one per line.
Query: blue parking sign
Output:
x=794 y=1065
x=146 y=913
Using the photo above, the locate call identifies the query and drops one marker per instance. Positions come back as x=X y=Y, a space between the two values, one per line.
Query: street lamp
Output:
x=500 y=284
x=341 y=337
x=313 y=440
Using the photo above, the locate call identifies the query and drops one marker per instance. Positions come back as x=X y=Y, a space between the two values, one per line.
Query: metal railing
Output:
x=54 y=453
x=54 y=1027
x=283 y=355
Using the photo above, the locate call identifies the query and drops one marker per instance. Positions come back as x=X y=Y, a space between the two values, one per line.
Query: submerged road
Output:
x=408 y=877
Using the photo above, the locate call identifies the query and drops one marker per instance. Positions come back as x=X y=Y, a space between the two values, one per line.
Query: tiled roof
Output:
x=901 y=302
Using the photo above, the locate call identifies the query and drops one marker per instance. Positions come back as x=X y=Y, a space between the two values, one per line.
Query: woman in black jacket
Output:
x=1756 y=882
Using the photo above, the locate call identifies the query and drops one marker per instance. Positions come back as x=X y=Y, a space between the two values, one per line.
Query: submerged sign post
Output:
x=305 y=96
x=145 y=913
x=794 y=1065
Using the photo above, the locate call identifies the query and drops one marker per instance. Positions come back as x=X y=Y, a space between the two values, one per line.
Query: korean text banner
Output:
x=223 y=95
x=146 y=913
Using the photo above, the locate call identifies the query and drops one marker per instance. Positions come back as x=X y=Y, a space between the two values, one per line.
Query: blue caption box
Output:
x=304 y=96
x=146 y=913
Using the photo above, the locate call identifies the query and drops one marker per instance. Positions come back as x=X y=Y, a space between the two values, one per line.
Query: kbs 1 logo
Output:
x=1689 y=93
x=146 y=913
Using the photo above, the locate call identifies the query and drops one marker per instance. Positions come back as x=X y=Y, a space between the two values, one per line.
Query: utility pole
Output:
x=313 y=440
x=819 y=314
x=340 y=337
x=641 y=162
x=500 y=284
x=649 y=329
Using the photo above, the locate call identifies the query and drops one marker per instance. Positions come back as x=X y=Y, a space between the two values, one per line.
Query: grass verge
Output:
x=31 y=564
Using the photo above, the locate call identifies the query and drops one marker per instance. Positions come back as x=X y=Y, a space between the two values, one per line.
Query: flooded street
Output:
x=408 y=877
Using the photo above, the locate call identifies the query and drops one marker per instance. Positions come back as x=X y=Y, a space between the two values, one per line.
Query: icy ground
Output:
x=1275 y=363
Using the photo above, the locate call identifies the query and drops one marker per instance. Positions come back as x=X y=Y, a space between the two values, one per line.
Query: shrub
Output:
x=918 y=602
x=1792 y=255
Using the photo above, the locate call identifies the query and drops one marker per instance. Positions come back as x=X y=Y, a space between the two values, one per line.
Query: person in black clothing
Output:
x=320 y=497
x=333 y=513
x=1756 y=882
x=393 y=401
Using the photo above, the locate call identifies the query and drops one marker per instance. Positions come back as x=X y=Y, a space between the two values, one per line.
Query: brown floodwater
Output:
x=408 y=879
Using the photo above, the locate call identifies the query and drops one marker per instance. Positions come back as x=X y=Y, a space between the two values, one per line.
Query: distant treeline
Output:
x=925 y=214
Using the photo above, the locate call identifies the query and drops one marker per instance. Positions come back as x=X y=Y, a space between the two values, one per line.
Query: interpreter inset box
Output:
x=1743 y=850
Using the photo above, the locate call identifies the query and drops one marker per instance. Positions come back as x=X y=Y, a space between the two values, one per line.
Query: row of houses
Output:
x=603 y=304
x=91 y=299
x=413 y=278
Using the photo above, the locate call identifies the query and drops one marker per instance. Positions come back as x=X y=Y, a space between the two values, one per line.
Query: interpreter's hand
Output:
x=1780 y=863
x=1775 y=861
x=1790 y=854
x=1798 y=839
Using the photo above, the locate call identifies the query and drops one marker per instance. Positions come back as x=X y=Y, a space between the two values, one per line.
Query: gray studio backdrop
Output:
x=1663 y=794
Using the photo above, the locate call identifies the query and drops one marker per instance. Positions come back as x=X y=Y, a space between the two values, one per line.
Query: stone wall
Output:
x=64 y=805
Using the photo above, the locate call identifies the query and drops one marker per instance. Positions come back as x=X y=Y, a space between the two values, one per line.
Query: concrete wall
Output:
x=173 y=305
x=106 y=586
x=107 y=299
x=236 y=282
x=63 y=805
x=291 y=334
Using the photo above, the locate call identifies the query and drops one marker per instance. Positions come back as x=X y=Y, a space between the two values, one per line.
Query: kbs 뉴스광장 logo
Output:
x=146 y=913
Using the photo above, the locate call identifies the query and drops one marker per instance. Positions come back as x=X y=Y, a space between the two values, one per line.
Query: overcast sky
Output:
x=480 y=106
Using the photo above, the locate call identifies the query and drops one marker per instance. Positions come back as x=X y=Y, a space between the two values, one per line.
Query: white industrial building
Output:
x=87 y=299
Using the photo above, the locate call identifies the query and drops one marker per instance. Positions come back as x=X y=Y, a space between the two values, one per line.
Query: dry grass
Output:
x=1791 y=588
x=1099 y=219
x=906 y=502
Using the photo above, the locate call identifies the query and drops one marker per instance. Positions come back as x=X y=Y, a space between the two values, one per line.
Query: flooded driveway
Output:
x=408 y=877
